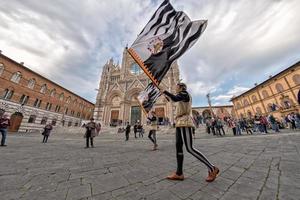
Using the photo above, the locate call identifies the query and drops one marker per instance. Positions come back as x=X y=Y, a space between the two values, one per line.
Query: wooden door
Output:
x=114 y=116
x=15 y=122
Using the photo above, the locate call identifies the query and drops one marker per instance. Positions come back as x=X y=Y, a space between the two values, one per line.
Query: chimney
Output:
x=22 y=63
x=270 y=76
x=0 y=51
x=255 y=84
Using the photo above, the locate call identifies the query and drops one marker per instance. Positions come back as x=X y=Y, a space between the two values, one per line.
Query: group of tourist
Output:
x=256 y=124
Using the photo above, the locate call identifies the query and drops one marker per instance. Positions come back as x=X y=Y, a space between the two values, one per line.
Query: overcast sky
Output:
x=69 y=41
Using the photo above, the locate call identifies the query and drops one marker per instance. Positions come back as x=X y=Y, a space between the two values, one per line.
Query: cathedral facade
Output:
x=119 y=86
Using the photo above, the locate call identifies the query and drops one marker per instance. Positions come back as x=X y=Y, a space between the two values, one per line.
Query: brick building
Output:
x=278 y=95
x=32 y=100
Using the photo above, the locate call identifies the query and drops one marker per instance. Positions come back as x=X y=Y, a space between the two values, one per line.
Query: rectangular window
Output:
x=40 y=102
x=36 y=102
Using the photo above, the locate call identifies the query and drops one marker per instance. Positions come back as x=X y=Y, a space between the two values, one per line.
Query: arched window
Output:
x=68 y=99
x=279 y=87
x=286 y=103
x=16 y=77
x=249 y=114
x=32 y=119
x=238 y=105
x=44 y=120
x=254 y=99
x=136 y=69
x=75 y=102
x=31 y=83
x=7 y=94
x=258 y=110
x=61 y=97
x=296 y=79
x=1 y=69
x=53 y=93
x=24 y=99
x=265 y=94
x=43 y=89
x=269 y=107
x=246 y=103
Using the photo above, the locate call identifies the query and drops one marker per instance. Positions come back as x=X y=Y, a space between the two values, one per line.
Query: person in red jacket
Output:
x=4 y=124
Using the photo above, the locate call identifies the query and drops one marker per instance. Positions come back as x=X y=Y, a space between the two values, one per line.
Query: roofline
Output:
x=222 y=106
x=26 y=68
x=278 y=74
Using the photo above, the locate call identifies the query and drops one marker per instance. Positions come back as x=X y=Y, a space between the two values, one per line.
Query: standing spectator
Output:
x=135 y=128
x=220 y=126
x=4 y=124
x=127 y=131
x=98 y=128
x=248 y=126
x=292 y=121
x=232 y=125
x=207 y=123
x=213 y=126
x=90 y=133
x=273 y=123
x=140 y=130
x=257 y=127
x=264 y=122
x=297 y=119
x=238 y=127
x=46 y=132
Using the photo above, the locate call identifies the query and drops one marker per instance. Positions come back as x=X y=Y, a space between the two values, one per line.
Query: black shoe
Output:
x=3 y=145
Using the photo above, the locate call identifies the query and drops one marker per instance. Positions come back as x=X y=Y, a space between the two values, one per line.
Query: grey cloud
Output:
x=72 y=40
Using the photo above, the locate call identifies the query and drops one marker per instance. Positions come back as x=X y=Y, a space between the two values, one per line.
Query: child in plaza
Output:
x=153 y=127
x=184 y=126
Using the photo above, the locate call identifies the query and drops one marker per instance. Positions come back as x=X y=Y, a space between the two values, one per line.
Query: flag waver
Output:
x=167 y=36
x=164 y=39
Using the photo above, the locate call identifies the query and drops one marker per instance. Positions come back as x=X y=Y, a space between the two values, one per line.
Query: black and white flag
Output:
x=167 y=36
x=148 y=97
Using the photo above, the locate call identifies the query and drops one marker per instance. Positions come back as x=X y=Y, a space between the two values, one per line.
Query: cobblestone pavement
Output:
x=252 y=167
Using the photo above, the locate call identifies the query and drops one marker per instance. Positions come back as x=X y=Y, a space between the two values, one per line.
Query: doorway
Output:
x=135 y=114
x=15 y=122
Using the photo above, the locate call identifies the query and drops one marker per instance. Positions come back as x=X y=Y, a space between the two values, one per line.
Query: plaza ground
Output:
x=252 y=167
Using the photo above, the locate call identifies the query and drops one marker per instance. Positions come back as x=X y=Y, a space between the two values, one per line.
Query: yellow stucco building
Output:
x=278 y=95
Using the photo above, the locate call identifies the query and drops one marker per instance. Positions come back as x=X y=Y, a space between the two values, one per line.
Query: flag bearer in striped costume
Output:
x=184 y=126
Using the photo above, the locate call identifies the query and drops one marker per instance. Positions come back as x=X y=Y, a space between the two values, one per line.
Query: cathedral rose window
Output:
x=135 y=69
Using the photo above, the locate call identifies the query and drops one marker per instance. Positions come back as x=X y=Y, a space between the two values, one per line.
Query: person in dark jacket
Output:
x=127 y=131
x=46 y=132
x=4 y=124
x=91 y=132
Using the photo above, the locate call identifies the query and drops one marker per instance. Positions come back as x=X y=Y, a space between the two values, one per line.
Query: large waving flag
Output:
x=167 y=36
x=148 y=97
